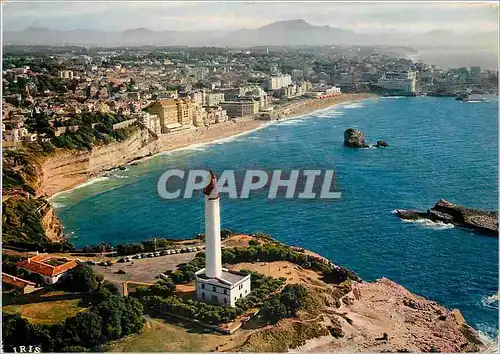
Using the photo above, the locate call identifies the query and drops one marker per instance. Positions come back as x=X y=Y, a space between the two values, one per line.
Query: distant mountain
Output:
x=284 y=33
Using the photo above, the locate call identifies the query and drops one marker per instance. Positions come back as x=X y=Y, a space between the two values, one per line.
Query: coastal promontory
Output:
x=450 y=213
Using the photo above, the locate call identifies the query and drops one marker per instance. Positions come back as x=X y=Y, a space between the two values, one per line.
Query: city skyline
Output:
x=227 y=16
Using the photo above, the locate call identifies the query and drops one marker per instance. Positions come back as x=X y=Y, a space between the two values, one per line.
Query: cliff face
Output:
x=29 y=177
x=52 y=225
x=66 y=169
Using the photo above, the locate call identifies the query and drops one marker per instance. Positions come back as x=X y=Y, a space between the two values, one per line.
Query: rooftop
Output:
x=228 y=277
x=15 y=281
x=41 y=265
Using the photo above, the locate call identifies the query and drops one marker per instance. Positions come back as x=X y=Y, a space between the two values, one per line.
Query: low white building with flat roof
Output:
x=223 y=290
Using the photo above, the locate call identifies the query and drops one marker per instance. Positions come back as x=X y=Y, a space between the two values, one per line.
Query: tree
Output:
x=293 y=296
x=274 y=310
x=81 y=279
x=84 y=329
x=15 y=330
x=112 y=288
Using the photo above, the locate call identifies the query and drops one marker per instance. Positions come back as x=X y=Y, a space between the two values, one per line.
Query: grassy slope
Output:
x=158 y=336
x=49 y=312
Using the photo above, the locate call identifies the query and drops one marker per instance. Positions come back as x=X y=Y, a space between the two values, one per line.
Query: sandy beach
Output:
x=179 y=140
x=67 y=170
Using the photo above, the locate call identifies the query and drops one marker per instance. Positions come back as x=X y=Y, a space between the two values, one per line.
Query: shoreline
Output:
x=170 y=143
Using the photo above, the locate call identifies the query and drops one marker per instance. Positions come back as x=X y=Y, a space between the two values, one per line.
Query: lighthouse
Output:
x=215 y=284
x=213 y=261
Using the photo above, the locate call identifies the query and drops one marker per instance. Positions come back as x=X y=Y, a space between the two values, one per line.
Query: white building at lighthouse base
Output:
x=223 y=290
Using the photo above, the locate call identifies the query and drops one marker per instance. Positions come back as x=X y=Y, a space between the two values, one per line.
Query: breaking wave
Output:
x=57 y=205
x=436 y=225
x=354 y=105
x=293 y=122
x=490 y=301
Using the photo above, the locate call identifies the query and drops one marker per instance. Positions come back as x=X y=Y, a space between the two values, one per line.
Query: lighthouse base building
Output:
x=224 y=290
x=215 y=284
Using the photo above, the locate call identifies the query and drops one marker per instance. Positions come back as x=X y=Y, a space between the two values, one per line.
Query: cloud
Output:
x=415 y=17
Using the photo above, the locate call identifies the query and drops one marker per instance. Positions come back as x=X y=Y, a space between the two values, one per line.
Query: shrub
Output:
x=82 y=278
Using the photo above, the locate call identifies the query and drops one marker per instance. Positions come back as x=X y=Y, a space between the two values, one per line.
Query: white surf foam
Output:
x=85 y=184
x=331 y=114
x=354 y=105
x=293 y=122
x=120 y=176
x=438 y=225
x=490 y=342
x=57 y=205
x=490 y=301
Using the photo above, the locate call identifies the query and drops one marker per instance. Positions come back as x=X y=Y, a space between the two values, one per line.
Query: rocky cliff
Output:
x=66 y=169
x=450 y=213
x=51 y=224
x=383 y=316
x=31 y=176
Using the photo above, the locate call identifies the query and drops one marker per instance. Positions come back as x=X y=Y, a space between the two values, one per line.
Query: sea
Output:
x=438 y=148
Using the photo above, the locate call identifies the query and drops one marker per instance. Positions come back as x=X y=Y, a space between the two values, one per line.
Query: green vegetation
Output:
x=87 y=137
x=158 y=336
x=23 y=209
x=262 y=288
x=46 y=312
x=158 y=299
x=268 y=252
x=19 y=171
x=22 y=224
x=111 y=317
x=163 y=288
x=281 y=339
x=145 y=246
x=81 y=279
x=192 y=309
x=292 y=298
x=253 y=243
x=186 y=272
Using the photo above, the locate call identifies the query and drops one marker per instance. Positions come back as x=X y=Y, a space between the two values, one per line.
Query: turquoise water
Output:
x=439 y=148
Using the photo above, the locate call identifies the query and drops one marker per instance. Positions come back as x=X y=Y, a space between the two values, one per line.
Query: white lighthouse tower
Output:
x=215 y=284
x=213 y=261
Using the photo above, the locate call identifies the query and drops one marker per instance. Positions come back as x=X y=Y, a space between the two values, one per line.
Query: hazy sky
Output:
x=361 y=17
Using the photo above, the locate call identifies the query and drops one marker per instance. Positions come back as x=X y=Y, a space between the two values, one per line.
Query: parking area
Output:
x=143 y=270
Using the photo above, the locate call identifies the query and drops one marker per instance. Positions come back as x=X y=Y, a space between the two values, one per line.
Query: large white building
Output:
x=215 y=284
x=66 y=74
x=278 y=81
x=404 y=81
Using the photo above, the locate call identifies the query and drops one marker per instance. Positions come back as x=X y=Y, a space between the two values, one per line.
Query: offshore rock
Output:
x=382 y=143
x=450 y=213
x=354 y=138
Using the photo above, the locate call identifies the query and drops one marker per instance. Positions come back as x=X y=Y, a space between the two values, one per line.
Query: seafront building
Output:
x=215 y=284
x=278 y=81
x=174 y=114
x=399 y=81
x=244 y=107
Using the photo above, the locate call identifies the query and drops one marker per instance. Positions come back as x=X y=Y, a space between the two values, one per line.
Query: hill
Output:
x=288 y=33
